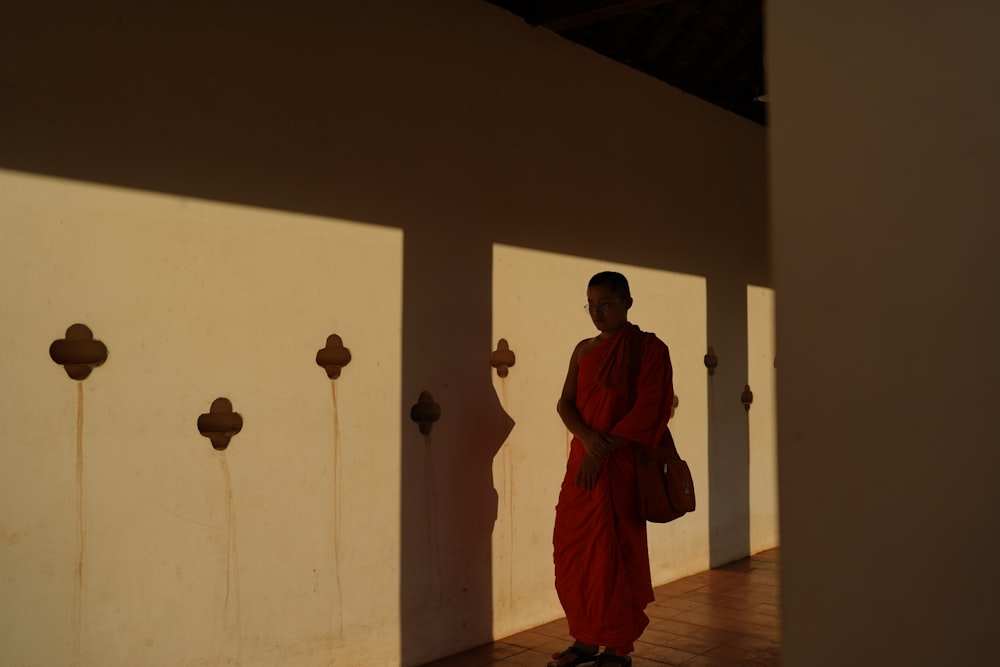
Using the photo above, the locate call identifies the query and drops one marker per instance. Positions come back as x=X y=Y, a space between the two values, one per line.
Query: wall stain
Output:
x=333 y=357
x=15 y=538
x=185 y=518
x=335 y=474
x=81 y=530
x=434 y=558
x=233 y=623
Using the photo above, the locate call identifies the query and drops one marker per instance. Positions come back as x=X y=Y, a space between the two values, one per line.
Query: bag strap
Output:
x=667 y=442
x=634 y=368
x=635 y=365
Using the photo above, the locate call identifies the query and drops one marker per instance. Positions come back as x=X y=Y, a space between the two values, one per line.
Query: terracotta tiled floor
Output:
x=724 y=617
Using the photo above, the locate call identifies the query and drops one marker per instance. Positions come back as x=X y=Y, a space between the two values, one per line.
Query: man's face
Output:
x=607 y=310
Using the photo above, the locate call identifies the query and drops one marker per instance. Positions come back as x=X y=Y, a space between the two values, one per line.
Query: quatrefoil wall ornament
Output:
x=333 y=357
x=78 y=353
x=425 y=412
x=220 y=423
x=711 y=361
x=502 y=358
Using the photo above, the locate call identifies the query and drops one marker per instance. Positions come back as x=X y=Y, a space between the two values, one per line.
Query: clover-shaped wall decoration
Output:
x=333 y=357
x=502 y=358
x=78 y=353
x=220 y=423
x=711 y=361
x=425 y=412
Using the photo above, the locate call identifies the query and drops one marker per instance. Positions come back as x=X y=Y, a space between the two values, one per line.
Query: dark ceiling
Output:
x=713 y=49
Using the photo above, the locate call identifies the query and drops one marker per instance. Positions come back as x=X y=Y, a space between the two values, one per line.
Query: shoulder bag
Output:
x=666 y=490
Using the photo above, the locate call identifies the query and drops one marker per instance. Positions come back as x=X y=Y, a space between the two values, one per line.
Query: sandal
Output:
x=580 y=657
x=614 y=659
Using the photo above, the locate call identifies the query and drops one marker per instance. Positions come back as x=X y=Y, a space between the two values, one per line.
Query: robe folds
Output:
x=625 y=388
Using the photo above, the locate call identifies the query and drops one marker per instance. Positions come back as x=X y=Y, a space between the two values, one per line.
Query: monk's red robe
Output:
x=600 y=550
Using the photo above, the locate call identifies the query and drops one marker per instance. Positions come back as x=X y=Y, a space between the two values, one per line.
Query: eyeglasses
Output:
x=600 y=307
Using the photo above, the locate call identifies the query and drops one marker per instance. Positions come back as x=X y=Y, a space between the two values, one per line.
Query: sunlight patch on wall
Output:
x=763 y=428
x=199 y=300
x=538 y=308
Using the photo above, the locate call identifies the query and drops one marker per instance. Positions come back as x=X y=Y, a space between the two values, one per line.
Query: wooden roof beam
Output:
x=561 y=15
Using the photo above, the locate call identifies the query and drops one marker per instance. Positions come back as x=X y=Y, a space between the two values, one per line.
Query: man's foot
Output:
x=577 y=654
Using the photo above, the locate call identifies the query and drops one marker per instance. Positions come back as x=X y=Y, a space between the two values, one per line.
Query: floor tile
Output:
x=725 y=617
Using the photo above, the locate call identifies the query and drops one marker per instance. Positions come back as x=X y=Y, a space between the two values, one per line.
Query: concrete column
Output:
x=885 y=155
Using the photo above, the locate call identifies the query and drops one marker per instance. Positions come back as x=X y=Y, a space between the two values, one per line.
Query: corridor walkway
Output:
x=725 y=617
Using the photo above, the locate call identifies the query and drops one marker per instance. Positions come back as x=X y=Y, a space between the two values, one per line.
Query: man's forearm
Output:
x=572 y=419
x=596 y=444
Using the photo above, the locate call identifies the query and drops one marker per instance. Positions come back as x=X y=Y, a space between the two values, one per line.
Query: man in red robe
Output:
x=616 y=397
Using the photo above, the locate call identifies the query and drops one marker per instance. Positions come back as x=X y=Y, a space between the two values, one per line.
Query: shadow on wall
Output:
x=448 y=497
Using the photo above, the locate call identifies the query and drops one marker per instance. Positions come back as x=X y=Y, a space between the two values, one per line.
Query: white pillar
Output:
x=885 y=166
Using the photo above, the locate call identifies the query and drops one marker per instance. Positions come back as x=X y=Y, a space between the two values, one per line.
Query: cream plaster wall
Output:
x=196 y=300
x=885 y=156
x=447 y=128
